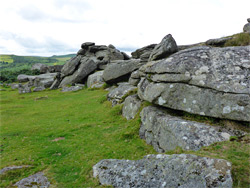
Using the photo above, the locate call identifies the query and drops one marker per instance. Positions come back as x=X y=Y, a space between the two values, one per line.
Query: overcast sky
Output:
x=53 y=27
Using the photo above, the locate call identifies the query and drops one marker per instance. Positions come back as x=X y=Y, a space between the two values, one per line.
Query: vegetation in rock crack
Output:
x=65 y=134
x=240 y=39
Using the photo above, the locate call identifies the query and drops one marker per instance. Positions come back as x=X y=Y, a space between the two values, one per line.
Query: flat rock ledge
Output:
x=34 y=181
x=201 y=80
x=183 y=171
x=166 y=132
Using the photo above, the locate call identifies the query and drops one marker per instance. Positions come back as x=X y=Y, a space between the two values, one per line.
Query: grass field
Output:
x=65 y=134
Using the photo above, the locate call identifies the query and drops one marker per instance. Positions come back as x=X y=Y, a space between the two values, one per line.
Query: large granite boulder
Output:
x=71 y=65
x=202 y=80
x=246 y=27
x=87 y=66
x=166 y=132
x=165 y=48
x=95 y=80
x=15 y=85
x=120 y=70
x=34 y=181
x=183 y=171
x=118 y=95
x=131 y=106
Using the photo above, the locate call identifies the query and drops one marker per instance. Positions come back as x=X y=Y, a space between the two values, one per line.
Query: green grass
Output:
x=91 y=131
x=6 y=58
x=240 y=39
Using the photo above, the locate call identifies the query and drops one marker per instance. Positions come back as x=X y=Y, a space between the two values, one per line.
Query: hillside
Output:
x=14 y=62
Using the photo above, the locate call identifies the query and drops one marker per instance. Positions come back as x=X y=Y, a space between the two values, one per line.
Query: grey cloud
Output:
x=127 y=49
x=32 y=13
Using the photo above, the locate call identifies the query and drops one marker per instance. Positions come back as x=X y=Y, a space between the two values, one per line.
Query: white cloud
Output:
x=130 y=24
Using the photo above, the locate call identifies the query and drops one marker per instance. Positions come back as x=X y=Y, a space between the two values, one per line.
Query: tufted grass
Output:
x=65 y=134
x=240 y=39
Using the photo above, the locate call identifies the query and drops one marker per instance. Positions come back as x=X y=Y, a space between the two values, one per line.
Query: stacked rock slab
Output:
x=202 y=80
x=134 y=78
x=184 y=171
x=118 y=94
x=120 y=70
x=143 y=53
x=88 y=59
x=166 y=132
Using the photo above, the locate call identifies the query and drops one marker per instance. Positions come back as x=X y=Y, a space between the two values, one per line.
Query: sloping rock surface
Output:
x=202 y=80
x=120 y=70
x=183 y=171
x=165 y=132
x=117 y=95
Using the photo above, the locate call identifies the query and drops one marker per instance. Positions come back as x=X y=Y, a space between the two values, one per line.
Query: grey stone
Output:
x=40 y=67
x=86 y=45
x=166 y=132
x=183 y=47
x=202 y=80
x=24 y=89
x=133 y=81
x=11 y=168
x=219 y=41
x=146 y=49
x=71 y=65
x=86 y=67
x=246 y=28
x=34 y=181
x=125 y=56
x=72 y=88
x=95 y=80
x=24 y=78
x=55 y=68
x=248 y=19
x=131 y=106
x=15 y=85
x=183 y=171
x=120 y=70
x=117 y=95
x=39 y=88
x=165 y=48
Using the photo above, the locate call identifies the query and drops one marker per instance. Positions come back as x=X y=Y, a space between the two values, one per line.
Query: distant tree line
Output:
x=11 y=76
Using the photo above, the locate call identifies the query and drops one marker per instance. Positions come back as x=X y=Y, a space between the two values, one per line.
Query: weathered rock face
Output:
x=90 y=58
x=167 y=47
x=86 y=67
x=120 y=70
x=117 y=95
x=131 y=106
x=134 y=78
x=165 y=132
x=143 y=53
x=34 y=181
x=95 y=80
x=184 y=171
x=46 y=69
x=203 y=80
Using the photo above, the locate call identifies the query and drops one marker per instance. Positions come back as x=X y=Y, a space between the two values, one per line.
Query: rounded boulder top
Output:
x=85 y=45
x=248 y=19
